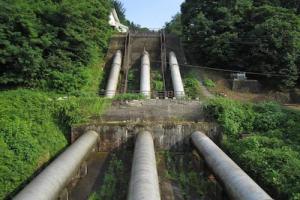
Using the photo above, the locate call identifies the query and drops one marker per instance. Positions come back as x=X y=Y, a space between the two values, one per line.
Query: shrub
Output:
x=34 y=128
x=191 y=85
x=235 y=118
x=209 y=83
x=129 y=96
x=270 y=153
x=29 y=136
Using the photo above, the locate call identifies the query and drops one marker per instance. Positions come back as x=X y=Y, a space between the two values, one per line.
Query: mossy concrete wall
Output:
x=167 y=136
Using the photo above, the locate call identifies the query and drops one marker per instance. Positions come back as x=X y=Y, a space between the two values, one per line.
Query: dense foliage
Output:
x=49 y=44
x=192 y=85
x=264 y=140
x=34 y=127
x=248 y=35
x=174 y=26
x=29 y=136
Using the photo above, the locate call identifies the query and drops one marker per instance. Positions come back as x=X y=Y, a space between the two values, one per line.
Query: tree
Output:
x=48 y=44
x=249 y=35
x=174 y=26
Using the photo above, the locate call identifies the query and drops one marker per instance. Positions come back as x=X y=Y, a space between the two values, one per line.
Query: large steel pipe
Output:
x=52 y=180
x=237 y=183
x=114 y=76
x=176 y=77
x=145 y=87
x=144 y=179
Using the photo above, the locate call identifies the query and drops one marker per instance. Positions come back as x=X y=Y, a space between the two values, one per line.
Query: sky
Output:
x=151 y=13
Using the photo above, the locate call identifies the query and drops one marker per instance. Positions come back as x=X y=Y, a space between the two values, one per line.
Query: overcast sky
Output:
x=151 y=13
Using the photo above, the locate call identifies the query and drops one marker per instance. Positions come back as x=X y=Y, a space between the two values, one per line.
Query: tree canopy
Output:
x=49 y=43
x=248 y=35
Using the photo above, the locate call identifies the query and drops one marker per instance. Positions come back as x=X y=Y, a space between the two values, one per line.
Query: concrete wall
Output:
x=172 y=136
x=246 y=86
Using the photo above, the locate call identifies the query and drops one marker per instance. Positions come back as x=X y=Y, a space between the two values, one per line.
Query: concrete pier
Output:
x=237 y=183
x=144 y=183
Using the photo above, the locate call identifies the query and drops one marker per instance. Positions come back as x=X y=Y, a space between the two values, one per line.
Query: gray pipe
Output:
x=114 y=76
x=145 y=86
x=52 y=180
x=176 y=77
x=237 y=183
x=144 y=179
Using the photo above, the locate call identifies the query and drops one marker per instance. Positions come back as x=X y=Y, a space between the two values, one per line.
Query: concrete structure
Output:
x=144 y=179
x=176 y=77
x=115 y=22
x=237 y=183
x=52 y=180
x=114 y=76
x=145 y=87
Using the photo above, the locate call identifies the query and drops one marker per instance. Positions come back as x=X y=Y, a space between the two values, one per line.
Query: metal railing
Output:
x=154 y=94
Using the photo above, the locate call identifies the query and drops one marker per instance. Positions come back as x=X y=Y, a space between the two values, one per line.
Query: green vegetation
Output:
x=247 y=35
x=264 y=140
x=30 y=134
x=191 y=85
x=115 y=181
x=54 y=46
x=156 y=80
x=181 y=170
x=209 y=83
x=51 y=44
x=133 y=83
x=34 y=127
x=129 y=96
x=174 y=26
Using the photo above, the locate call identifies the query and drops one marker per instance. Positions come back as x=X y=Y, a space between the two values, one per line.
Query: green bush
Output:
x=157 y=82
x=50 y=44
x=34 y=128
x=191 y=85
x=270 y=153
x=234 y=117
x=30 y=135
x=129 y=96
x=209 y=83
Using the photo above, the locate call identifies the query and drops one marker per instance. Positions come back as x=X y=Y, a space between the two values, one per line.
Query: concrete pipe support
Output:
x=114 y=76
x=176 y=77
x=54 y=178
x=144 y=179
x=145 y=87
x=237 y=183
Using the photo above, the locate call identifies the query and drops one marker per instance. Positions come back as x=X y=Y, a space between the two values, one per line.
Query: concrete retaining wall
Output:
x=168 y=136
